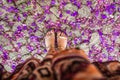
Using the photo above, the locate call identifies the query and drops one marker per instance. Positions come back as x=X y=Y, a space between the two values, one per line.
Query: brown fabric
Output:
x=63 y=65
x=103 y=67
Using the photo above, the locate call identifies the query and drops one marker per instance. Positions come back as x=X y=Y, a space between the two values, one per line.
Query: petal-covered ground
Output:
x=92 y=25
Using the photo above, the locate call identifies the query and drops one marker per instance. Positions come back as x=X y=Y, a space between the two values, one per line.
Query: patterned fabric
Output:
x=1 y=71
x=44 y=71
x=70 y=64
x=110 y=69
x=23 y=70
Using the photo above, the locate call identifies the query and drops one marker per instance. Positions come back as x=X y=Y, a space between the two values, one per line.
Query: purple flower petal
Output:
x=103 y=16
x=25 y=27
x=53 y=2
x=75 y=13
x=89 y=2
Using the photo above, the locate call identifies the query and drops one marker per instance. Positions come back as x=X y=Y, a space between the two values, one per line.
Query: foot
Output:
x=61 y=40
x=50 y=40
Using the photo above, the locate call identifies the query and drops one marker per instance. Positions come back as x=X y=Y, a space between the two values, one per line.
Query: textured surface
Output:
x=92 y=25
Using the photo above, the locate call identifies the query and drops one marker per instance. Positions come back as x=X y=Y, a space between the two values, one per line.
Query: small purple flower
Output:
x=45 y=50
x=33 y=24
x=9 y=1
x=1 y=13
x=13 y=66
x=75 y=13
x=53 y=2
x=63 y=3
x=103 y=16
x=100 y=32
x=78 y=24
x=119 y=9
x=19 y=28
x=1 y=27
x=18 y=18
x=60 y=15
x=42 y=19
x=24 y=27
x=10 y=9
x=19 y=44
x=68 y=11
x=5 y=55
x=111 y=8
x=30 y=31
x=24 y=14
x=31 y=48
x=89 y=2
x=110 y=58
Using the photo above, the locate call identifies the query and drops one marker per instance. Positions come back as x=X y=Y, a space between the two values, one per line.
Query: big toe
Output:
x=50 y=33
x=58 y=33
x=63 y=35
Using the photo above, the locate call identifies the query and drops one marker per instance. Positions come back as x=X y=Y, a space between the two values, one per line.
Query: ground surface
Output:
x=92 y=25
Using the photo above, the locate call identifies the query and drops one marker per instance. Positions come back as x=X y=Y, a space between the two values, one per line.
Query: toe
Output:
x=58 y=33
x=63 y=35
x=52 y=32
x=49 y=33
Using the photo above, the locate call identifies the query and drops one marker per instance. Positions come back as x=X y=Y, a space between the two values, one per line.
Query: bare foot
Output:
x=50 y=40
x=61 y=40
